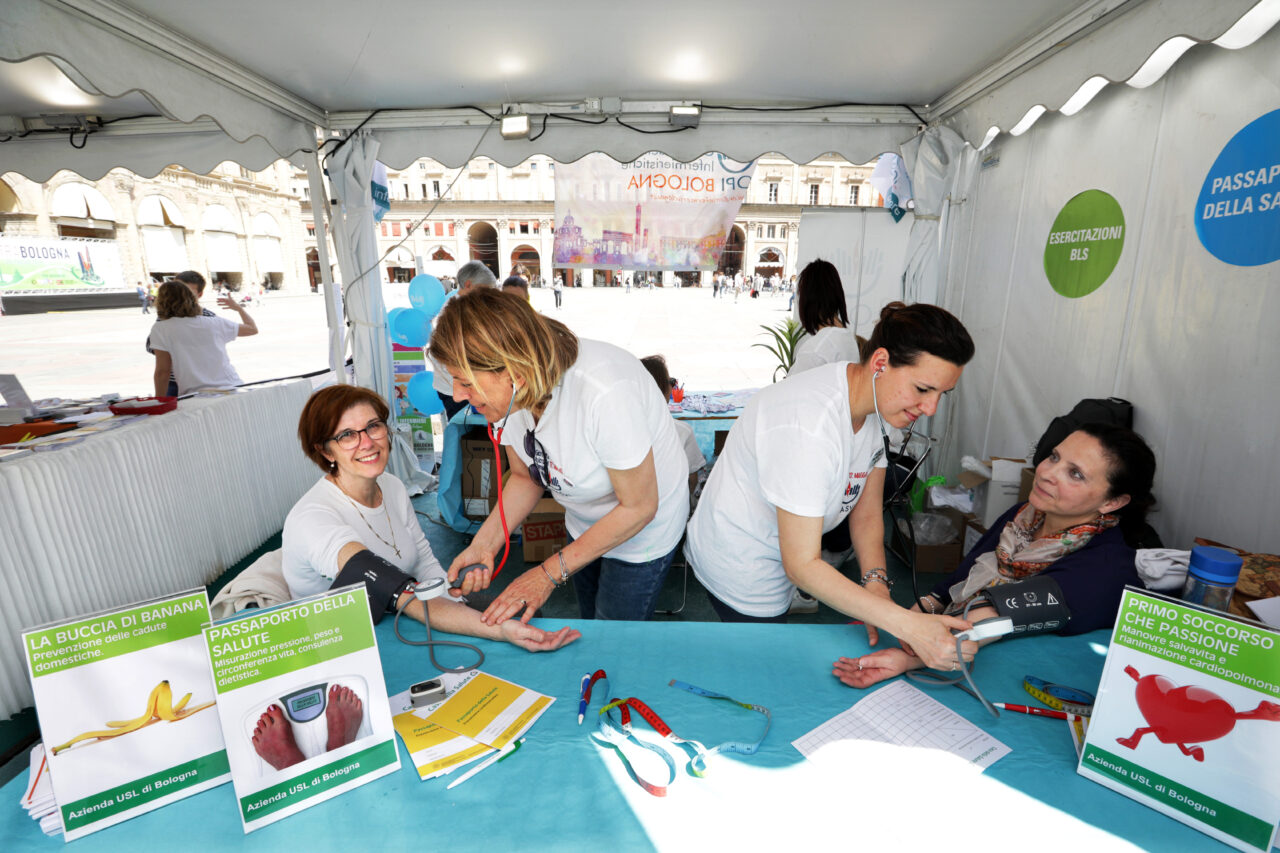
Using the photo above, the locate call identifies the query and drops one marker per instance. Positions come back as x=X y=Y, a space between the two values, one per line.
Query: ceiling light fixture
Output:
x=685 y=115
x=515 y=126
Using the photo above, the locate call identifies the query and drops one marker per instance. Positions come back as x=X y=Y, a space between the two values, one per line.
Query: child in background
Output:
x=657 y=367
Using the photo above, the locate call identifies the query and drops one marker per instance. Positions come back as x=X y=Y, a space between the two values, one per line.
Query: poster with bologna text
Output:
x=1187 y=719
x=31 y=266
x=302 y=703
x=654 y=213
x=125 y=700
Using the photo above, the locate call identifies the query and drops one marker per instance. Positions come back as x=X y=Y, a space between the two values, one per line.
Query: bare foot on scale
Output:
x=343 y=715
x=273 y=739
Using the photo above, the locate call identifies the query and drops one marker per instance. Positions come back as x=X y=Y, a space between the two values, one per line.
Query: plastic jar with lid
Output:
x=1211 y=577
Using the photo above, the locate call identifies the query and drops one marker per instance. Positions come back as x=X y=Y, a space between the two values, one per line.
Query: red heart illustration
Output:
x=1183 y=714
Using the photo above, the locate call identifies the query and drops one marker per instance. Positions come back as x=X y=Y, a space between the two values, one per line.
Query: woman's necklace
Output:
x=390 y=527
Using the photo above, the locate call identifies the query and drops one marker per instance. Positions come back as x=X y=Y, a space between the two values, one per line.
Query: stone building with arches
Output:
x=236 y=226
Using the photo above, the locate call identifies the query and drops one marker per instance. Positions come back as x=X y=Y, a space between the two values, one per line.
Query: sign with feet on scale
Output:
x=301 y=702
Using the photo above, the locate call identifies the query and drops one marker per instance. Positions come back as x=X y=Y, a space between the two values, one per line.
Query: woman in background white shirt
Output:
x=192 y=347
x=825 y=319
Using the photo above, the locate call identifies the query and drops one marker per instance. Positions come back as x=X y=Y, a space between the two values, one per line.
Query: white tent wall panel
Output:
x=1185 y=337
x=1207 y=346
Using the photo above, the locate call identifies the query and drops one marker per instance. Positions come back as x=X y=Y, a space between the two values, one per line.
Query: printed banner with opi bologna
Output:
x=654 y=213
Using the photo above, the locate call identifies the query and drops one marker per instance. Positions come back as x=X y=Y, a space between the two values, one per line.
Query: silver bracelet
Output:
x=554 y=585
x=564 y=571
x=927 y=601
x=877 y=575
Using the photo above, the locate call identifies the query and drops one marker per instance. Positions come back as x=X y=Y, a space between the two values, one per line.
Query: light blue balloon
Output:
x=391 y=319
x=411 y=328
x=426 y=293
x=422 y=396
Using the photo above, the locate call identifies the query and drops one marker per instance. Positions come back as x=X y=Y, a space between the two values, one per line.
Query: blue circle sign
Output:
x=1238 y=211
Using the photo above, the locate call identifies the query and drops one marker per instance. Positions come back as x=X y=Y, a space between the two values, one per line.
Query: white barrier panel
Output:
x=151 y=508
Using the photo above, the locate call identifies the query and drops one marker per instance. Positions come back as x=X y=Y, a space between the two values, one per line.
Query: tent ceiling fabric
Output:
x=1114 y=51
x=257 y=92
x=715 y=51
x=118 y=52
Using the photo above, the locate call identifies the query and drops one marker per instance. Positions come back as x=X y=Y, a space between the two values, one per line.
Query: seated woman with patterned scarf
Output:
x=1093 y=488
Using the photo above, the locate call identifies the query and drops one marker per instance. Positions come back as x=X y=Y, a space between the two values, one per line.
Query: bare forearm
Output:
x=617 y=526
x=838 y=592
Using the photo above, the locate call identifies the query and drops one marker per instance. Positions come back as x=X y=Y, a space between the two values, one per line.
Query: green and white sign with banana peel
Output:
x=125 y=699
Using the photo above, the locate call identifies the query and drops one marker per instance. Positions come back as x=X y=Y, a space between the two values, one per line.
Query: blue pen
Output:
x=582 y=697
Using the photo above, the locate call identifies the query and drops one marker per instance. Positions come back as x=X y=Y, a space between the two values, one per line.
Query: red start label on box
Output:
x=544 y=530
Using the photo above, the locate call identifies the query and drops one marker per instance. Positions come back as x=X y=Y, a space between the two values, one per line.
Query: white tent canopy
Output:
x=854 y=78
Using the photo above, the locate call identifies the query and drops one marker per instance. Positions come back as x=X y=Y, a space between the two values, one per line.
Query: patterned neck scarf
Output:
x=1025 y=549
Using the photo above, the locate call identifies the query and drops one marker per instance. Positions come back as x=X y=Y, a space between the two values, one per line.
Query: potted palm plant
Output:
x=785 y=337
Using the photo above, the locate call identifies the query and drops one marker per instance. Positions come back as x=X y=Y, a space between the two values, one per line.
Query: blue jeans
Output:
x=615 y=589
x=728 y=614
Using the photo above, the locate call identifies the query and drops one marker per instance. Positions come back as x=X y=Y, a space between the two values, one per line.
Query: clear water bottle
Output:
x=1211 y=577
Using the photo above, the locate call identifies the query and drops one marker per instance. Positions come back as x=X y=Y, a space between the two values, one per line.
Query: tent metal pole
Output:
x=333 y=307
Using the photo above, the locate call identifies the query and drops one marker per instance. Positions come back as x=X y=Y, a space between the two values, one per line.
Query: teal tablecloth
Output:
x=561 y=792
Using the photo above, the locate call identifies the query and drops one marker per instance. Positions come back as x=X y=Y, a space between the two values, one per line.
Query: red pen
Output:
x=1038 y=712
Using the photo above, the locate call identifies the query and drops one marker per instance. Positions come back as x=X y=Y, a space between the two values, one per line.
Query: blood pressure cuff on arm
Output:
x=1035 y=604
x=383 y=581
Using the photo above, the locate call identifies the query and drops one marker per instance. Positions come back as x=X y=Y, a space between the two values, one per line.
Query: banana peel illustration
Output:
x=160 y=707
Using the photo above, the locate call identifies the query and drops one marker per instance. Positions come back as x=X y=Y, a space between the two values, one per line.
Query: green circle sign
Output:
x=1084 y=244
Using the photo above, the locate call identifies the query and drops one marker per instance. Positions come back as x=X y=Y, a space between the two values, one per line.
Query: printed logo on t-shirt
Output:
x=875 y=457
x=851 y=490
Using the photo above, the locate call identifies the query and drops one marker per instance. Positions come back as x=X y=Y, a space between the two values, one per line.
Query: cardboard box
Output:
x=543 y=532
x=943 y=559
x=1007 y=485
x=973 y=531
x=477 y=476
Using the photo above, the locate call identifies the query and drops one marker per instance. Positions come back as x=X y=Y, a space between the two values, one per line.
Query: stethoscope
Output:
x=900 y=491
x=495 y=438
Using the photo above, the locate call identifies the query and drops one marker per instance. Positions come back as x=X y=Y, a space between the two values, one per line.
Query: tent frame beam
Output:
x=129 y=24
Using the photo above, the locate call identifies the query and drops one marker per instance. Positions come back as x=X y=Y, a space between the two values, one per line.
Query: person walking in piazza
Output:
x=558 y=289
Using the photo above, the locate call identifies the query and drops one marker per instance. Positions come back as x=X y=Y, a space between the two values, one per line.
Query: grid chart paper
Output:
x=903 y=715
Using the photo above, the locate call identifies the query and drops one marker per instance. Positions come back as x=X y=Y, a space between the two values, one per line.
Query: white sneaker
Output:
x=802 y=602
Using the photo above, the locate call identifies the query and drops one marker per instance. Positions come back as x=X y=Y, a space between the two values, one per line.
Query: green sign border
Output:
x=355 y=765
x=207 y=768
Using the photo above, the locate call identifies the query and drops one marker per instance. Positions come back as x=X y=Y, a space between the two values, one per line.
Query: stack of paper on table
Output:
x=479 y=715
x=38 y=799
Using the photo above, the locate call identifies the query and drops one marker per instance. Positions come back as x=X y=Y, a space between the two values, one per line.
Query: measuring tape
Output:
x=740 y=747
x=616 y=734
x=1059 y=697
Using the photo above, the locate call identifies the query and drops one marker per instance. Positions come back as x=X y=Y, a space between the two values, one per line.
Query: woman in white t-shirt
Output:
x=825 y=319
x=582 y=419
x=192 y=347
x=807 y=455
x=357 y=507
